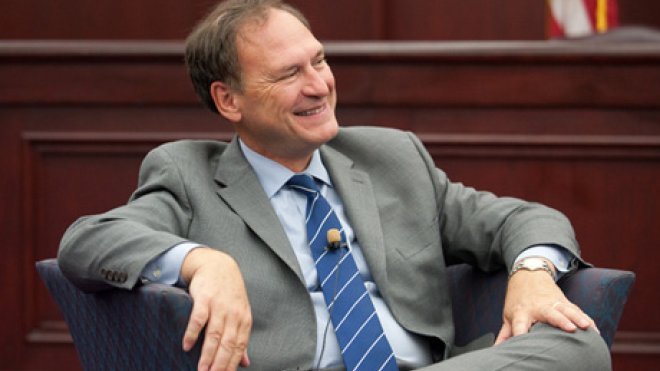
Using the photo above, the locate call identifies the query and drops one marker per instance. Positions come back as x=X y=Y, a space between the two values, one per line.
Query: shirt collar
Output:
x=273 y=176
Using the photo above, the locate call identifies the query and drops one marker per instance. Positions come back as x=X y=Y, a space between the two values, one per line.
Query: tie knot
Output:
x=303 y=183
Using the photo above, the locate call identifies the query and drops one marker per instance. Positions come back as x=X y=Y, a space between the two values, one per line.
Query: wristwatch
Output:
x=533 y=264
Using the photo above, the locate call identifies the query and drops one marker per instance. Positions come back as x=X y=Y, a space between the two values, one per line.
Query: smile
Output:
x=311 y=112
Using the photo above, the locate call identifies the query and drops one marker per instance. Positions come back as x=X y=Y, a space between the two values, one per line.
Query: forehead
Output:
x=277 y=42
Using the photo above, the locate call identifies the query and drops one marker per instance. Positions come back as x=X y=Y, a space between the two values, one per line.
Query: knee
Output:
x=585 y=350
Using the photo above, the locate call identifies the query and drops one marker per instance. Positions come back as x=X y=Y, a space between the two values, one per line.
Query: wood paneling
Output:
x=345 y=19
x=639 y=13
x=104 y=19
x=576 y=126
x=465 y=20
x=331 y=20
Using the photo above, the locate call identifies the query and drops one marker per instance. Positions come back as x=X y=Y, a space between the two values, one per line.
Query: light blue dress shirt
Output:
x=290 y=207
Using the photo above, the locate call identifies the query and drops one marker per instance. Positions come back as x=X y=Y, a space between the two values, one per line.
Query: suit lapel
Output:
x=239 y=187
x=357 y=195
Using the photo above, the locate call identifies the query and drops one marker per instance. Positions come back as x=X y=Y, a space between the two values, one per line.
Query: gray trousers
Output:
x=544 y=348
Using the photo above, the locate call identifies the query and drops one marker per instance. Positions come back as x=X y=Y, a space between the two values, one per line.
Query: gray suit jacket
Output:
x=410 y=220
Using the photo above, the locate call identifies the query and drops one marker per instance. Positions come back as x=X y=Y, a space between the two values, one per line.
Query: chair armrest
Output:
x=478 y=299
x=602 y=294
x=119 y=329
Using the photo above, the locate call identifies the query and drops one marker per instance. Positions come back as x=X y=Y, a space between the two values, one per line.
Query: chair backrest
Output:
x=140 y=329
x=478 y=299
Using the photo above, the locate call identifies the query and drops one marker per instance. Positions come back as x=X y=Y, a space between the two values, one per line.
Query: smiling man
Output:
x=284 y=109
x=243 y=226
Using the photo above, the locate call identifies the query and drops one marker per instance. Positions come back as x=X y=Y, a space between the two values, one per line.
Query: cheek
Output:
x=329 y=79
x=283 y=99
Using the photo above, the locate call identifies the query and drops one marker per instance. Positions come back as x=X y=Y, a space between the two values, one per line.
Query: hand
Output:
x=221 y=304
x=533 y=296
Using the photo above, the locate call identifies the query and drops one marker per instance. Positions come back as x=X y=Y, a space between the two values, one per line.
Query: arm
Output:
x=124 y=240
x=491 y=232
x=96 y=250
x=503 y=232
x=497 y=231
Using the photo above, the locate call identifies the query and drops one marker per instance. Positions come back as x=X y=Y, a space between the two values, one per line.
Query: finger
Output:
x=555 y=316
x=520 y=324
x=228 y=354
x=504 y=334
x=244 y=338
x=197 y=321
x=245 y=360
x=574 y=314
x=212 y=341
x=233 y=345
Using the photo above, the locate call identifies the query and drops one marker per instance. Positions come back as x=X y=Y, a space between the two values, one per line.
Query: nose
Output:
x=317 y=82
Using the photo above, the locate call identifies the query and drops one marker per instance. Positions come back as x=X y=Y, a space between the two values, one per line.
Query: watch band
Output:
x=533 y=264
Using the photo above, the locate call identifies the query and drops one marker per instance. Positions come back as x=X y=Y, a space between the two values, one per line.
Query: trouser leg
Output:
x=544 y=348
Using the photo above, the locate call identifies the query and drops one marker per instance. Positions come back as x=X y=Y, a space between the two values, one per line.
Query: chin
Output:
x=331 y=130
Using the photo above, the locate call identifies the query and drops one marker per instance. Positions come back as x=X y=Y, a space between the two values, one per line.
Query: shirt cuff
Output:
x=166 y=267
x=559 y=256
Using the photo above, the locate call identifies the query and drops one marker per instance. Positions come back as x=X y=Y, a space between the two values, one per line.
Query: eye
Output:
x=320 y=61
x=289 y=73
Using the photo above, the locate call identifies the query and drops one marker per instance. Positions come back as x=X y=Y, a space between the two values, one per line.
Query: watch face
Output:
x=534 y=264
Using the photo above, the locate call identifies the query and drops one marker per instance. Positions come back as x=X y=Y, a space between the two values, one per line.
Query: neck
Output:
x=295 y=162
x=296 y=165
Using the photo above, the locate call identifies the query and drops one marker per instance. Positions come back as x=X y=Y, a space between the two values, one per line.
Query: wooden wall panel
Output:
x=331 y=20
x=345 y=19
x=639 y=13
x=62 y=181
x=465 y=20
x=105 y=19
x=574 y=126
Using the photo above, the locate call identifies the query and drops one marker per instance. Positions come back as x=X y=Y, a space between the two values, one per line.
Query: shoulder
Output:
x=183 y=157
x=186 y=153
x=370 y=134
x=191 y=148
x=379 y=144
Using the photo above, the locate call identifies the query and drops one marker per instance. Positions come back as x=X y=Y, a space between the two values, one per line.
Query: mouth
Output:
x=310 y=112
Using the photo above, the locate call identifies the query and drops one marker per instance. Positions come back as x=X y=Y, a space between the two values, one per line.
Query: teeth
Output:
x=310 y=112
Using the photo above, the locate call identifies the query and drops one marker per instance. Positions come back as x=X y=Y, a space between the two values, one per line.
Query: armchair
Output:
x=600 y=292
x=143 y=329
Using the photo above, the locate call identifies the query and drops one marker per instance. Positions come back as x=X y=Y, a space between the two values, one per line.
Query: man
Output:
x=229 y=222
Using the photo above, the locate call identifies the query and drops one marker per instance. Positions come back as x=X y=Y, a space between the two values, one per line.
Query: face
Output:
x=286 y=108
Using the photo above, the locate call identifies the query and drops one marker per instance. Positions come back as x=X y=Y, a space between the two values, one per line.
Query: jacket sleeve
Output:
x=112 y=249
x=487 y=231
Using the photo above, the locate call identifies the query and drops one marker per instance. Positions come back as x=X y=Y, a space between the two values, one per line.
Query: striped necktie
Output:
x=360 y=335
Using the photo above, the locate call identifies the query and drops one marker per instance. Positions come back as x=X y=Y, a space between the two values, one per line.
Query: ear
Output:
x=225 y=101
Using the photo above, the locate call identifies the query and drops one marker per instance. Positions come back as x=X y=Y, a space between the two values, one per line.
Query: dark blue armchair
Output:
x=478 y=299
x=143 y=329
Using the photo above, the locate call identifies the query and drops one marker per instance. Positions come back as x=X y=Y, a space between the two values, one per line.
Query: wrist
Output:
x=194 y=260
x=533 y=264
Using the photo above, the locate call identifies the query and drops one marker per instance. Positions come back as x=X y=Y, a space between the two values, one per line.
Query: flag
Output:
x=576 y=18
